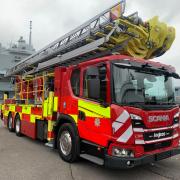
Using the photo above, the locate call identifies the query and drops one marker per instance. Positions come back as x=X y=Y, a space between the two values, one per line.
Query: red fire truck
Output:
x=82 y=96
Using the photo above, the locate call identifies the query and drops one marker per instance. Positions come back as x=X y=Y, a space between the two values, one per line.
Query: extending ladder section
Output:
x=84 y=42
x=107 y=33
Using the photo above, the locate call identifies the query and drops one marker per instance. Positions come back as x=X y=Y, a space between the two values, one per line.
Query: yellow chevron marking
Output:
x=94 y=109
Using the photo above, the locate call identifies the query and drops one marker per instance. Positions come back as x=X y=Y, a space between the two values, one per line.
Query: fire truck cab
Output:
x=125 y=109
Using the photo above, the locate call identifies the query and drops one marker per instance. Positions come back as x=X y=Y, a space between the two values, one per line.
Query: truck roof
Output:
x=131 y=59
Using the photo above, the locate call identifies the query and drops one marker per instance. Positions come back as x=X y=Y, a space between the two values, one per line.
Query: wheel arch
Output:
x=17 y=114
x=62 y=119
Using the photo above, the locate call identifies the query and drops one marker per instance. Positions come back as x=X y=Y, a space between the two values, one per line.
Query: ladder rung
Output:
x=109 y=27
x=109 y=45
x=89 y=40
x=100 y=34
x=102 y=49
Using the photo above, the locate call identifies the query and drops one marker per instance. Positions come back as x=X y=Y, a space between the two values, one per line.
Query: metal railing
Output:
x=70 y=41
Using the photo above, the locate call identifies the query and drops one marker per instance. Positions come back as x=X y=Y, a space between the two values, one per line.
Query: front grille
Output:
x=149 y=136
x=151 y=147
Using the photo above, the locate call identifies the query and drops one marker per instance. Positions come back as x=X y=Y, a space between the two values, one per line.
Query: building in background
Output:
x=9 y=57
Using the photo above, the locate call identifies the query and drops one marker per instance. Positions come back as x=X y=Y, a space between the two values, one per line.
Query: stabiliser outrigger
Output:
x=91 y=93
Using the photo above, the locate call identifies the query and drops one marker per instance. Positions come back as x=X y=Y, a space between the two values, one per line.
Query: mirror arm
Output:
x=104 y=104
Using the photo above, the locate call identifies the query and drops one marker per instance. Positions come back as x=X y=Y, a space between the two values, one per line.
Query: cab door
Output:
x=94 y=112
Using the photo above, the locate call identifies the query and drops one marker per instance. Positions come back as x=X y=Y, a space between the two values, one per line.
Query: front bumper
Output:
x=124 y=163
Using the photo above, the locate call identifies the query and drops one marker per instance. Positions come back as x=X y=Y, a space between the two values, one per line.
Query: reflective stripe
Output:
x=89 y=113
x=50 y=133
x=50 y=125
x=138 y=129
x=116 y=126
x=50 y=103
x=155 y=129
x=55 y=108
x=175 y=135
x=6 y=113
x=45 y=108
x=139 y=142
x=123 y=117
x=126 y=135
x=34 y=117
x=175 y=125
x=20 y=114
x=163 y=139
x=26 y=109
x=156 y=140
x=94 y=108
x=12 y=108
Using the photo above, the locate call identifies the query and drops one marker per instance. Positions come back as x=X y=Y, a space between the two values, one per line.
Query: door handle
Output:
x=82 y=115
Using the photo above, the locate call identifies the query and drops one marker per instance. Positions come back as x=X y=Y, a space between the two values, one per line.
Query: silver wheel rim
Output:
x=17 y=125
x=10 y=122
x=65 y=142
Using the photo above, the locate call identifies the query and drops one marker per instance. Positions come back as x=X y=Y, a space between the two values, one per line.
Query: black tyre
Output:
x=68 y=143
x=10 y=122
x=18 y=125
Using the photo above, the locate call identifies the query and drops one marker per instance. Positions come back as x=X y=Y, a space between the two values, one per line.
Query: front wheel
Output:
x=18 y=125
x=68 y=143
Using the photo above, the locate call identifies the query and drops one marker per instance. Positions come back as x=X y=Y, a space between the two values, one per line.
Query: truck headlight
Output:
x=176 y=118
x=118 y=152
x=135 y=117
x=137 y=121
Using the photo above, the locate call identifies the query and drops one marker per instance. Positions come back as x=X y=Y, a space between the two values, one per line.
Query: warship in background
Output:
x=9 y=57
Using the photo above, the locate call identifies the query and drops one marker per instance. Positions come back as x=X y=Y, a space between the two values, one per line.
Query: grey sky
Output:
x=53 y=18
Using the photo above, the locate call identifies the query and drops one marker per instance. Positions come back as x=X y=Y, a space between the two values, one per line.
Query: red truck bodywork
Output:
x=113 y=130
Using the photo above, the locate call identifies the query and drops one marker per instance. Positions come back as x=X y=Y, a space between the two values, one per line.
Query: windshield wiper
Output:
x=168 y=103
x=132 y=103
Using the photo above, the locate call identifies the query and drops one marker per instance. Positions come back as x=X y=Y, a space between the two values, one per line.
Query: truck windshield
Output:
x=132 y=86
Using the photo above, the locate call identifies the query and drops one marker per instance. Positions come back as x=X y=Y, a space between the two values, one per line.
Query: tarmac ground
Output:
x=24 y=159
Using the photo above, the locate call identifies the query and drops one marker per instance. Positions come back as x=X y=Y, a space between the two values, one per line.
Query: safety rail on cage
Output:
x=34 y=89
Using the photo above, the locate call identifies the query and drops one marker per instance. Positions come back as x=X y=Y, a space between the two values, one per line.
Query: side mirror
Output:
x=93 y=86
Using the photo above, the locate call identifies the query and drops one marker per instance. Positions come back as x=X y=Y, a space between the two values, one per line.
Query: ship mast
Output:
x=30 y=34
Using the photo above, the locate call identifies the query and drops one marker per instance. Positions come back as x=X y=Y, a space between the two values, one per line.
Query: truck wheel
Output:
x=10 y=122
x=68 y=143
x=18 y=125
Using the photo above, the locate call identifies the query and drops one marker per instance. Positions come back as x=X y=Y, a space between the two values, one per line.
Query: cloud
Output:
x=52 y=19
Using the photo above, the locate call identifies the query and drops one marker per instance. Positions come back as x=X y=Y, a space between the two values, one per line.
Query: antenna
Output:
x=30 y=34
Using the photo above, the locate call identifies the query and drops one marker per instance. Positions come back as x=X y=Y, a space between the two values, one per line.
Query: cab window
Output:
x=75 y=82
x=97 y=75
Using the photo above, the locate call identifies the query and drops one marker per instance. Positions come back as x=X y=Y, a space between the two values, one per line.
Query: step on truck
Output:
x=94 y=93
